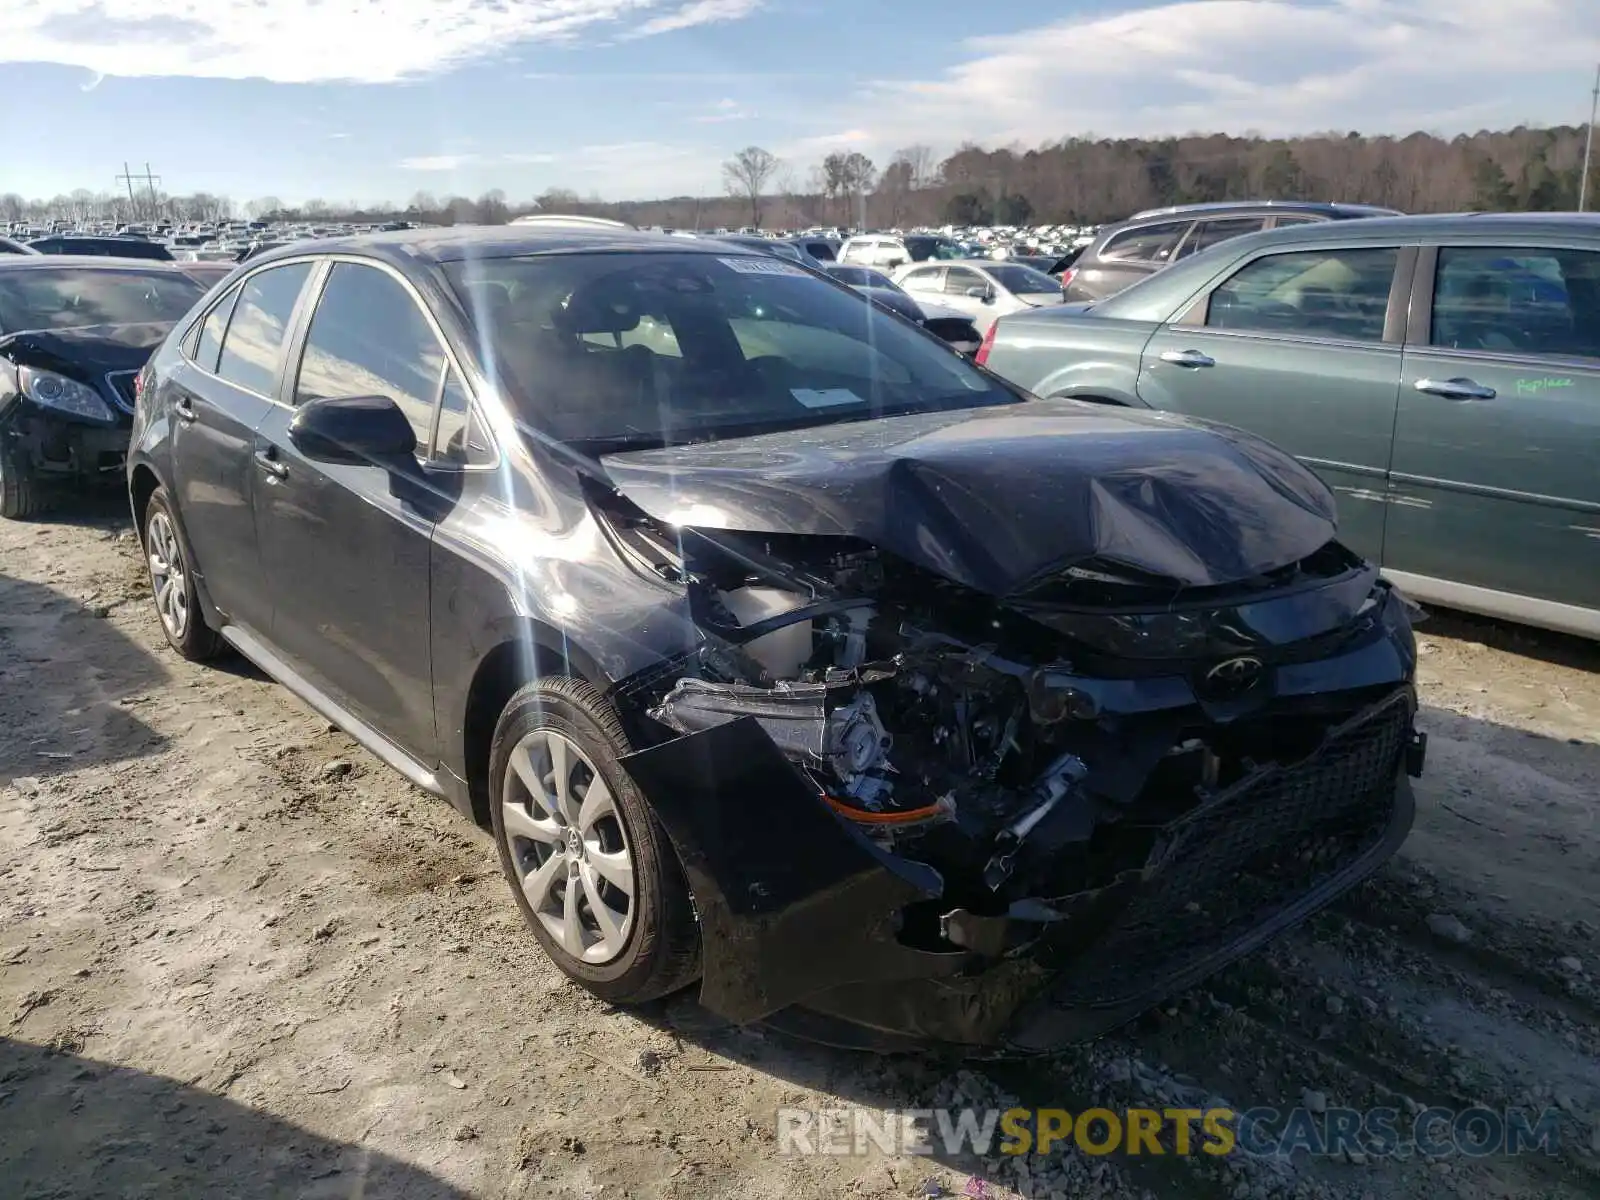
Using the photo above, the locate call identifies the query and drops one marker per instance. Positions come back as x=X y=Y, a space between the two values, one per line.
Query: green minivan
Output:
x=1440 y=373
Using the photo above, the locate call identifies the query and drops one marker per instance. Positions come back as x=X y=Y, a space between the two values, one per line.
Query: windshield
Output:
x=923 y=248
x=607 y=351
x=1022 y=281
x=36 y=298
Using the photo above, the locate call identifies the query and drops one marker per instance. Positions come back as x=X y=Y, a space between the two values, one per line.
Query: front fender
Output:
x=792 y=900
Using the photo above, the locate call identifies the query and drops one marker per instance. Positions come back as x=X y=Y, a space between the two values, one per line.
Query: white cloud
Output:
x=1274 y=66
x=313 y=41
x=724 y=111
x=696 y=12
x=455 y=162
x=834 y=141
x=438 y=162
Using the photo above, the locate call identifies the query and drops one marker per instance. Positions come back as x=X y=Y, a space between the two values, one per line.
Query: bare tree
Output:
x=746 y=175
x=922 y=165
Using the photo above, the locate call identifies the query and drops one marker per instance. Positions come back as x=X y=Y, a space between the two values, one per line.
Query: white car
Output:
x=889 y=250
x=981 y=289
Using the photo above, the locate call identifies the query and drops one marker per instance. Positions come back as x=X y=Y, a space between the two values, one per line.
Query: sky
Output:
x=373 y=100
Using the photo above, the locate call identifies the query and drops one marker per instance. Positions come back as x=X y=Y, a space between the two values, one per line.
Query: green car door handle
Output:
x=1455 y=389
x=1188 y=358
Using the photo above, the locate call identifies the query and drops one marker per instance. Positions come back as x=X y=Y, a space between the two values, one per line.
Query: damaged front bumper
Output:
x=804 y=917
x=61 y=446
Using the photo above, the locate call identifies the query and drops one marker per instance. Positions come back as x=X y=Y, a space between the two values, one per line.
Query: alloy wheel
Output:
x=569 y=846
x=168 y=579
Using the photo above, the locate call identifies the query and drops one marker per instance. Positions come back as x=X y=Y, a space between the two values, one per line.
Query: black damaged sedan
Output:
x=781 y=648
x=73 y=334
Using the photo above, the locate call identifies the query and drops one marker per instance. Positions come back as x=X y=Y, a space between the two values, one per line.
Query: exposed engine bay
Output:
x=1031 y=749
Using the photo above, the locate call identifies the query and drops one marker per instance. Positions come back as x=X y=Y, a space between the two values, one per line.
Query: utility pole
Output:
x=147 y=179
x=1588 y=143
x=127 y=177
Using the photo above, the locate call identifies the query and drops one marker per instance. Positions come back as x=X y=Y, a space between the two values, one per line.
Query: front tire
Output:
x=589 y=865
x=19 y=485
x=172 y=583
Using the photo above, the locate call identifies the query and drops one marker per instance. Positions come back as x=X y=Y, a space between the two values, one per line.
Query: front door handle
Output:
x=183 y=407
x=267 y=460
x=1188 y=358
x=1455 y=389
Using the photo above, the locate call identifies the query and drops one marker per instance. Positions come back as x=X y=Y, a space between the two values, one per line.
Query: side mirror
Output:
x=356 y=430
x=981 y=293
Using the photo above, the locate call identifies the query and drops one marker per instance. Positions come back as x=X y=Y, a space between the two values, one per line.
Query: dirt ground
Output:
x=241 y=958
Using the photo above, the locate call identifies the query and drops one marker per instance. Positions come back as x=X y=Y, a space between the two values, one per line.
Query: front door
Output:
x=220 y=395
x=346 y=547
x=1495 y=476
x=1292 y=346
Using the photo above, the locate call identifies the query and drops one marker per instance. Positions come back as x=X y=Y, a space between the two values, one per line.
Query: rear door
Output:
x=346 y=547
x=1127 y=257
x=219 y=396
x=1495 y=479
x=1302 y=347
x=925 y=281
x=958 y=282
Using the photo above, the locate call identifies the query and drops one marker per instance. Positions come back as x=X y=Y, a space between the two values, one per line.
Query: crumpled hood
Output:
x=996 y=498
x=92 y=350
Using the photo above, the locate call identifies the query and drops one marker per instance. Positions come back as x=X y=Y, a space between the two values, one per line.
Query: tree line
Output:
x=1079 y=180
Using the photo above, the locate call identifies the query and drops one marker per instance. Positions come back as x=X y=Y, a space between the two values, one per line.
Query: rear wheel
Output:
x=172 y=583
x=589 y=865
x=19 y=486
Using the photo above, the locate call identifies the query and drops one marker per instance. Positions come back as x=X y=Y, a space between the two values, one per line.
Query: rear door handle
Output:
x=1188 y=358
x=1455 y=389
x=184 y=408
x=267 y=460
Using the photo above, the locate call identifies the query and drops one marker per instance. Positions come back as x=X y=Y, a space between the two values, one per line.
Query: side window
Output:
x=369 y=338
x=1284 y=219
x=1517 y=301
x=1210 y=233
x=461 y=438
x=206 y=342
x=960 y=279
x=854 y=251
x=1312 y=293
x=253 y=346
x=930 y=279
x=1146 y=243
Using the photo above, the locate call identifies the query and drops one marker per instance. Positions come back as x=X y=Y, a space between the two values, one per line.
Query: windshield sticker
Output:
x=825 y=397
x=1533 y=387
x=762 y=266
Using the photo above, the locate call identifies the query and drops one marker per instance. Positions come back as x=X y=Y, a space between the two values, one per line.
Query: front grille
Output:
x=1243 y=856
x=121 y=385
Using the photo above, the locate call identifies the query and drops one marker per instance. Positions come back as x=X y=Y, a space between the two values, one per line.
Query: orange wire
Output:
x=887 y=818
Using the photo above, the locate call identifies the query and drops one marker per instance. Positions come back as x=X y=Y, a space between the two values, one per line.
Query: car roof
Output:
x=1331 y=207
x=104 y=262
x=1425 y=225
x=458 y=243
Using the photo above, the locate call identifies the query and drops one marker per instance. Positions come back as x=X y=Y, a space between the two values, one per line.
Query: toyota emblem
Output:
x=1234 y=677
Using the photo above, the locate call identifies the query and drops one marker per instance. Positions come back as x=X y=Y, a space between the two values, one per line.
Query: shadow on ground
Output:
x=75 y=681
x=73 y=1127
